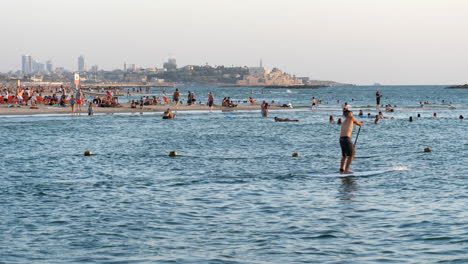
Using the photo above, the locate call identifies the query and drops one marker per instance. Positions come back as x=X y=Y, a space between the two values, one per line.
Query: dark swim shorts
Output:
x=346 y=146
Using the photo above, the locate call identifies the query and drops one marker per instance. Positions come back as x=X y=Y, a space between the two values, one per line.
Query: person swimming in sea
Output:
x=332 y=119
x=277 y=119
x=168 y=114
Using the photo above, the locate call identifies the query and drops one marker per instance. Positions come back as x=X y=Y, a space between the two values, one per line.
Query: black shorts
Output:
x=176 y=99
x=378 y=100
x=210 y=103
x=347 y=148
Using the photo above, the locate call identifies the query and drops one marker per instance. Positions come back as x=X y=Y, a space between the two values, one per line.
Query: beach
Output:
x=45 y=109
x=235 y=193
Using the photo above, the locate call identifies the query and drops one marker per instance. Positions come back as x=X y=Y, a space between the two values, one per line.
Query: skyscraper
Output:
x=26 y=64
x=81 y=64
x=29 y=63
x=24 y=59
x=49 y=66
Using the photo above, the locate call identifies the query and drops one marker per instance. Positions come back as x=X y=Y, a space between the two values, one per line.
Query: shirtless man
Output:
x=176 y=97
x=347 y=146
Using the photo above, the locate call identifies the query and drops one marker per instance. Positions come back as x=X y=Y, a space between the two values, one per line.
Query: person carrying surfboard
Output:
x=347 y=146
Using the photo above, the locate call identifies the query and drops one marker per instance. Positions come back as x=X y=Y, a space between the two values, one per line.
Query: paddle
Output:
x=357 y=136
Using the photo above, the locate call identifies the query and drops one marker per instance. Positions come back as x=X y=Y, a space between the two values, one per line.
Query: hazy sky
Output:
x=357 y=41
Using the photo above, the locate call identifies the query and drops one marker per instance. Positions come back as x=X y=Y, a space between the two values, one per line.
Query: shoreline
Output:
x=44 y=110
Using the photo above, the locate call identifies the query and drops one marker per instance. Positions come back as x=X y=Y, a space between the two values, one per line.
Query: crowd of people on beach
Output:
x=68 y=96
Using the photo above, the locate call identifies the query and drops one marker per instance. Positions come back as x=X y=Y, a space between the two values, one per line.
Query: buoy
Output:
x=427 y=150
x=88 y=153
x=295 y=154
x=173 y=154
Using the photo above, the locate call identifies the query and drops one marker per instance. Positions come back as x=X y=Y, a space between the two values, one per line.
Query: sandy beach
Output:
x=46 y=109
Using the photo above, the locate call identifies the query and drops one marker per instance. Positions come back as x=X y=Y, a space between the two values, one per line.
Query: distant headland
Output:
x=463 y=86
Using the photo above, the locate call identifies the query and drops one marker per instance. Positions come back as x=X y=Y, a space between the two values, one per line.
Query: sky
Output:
x=352 y=41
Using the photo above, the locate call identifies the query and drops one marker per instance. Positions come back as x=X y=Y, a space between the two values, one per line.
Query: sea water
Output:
x=235 y=194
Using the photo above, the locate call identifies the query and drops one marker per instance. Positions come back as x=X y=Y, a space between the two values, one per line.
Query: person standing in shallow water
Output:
x=264 y=109
x=347 y=146
x=210 y=101
x=176 y=97
x=378 y=95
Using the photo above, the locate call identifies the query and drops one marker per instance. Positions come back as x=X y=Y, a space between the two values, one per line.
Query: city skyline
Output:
x=362 y=42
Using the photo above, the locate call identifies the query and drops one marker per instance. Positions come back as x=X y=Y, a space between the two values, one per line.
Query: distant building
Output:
x=125 y=66
x=49 y=66
x=95 y=68
x=26 y=64
x=170 y=65
x=81 y=64
x=38 y=66
x=133 y=67
x=259 y=76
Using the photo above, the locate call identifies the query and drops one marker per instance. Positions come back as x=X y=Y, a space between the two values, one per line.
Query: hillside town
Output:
x=36 y=72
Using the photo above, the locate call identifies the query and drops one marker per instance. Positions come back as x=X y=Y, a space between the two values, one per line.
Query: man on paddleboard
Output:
x=347 y=146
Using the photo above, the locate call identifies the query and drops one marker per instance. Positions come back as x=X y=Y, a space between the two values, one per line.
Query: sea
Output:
x=235 y=194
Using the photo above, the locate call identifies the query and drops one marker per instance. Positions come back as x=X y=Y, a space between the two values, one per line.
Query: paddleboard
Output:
x=356 y=173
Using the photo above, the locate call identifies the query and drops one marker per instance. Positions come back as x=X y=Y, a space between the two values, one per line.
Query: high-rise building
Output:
x=81 y=64
x=95 y=68
x=29 y=61
x=133 y=67
x=125 y=66
x=49 y=66
x=26 y=64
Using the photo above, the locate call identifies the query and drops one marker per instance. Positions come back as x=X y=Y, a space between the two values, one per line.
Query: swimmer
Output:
x=419 y=115
x=332 y=120
x=339 y=121
x=347 y=146
x=277 y=119
x=461 y=117
x=346 y=107
x=168 y=114
x=411 y=119
x=434 y=115
x=361 y=113
x=376 y=121
x=90 y=109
